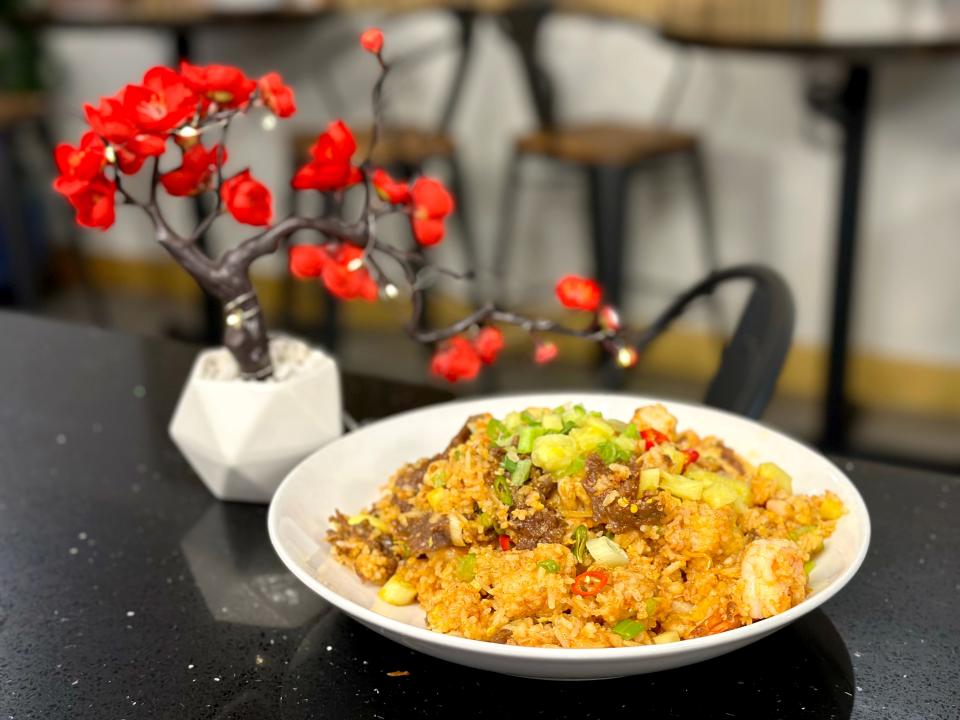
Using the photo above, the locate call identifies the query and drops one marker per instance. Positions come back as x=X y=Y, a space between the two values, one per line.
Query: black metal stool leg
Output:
x=23 y=270
x=608 y=207
x=462 y=218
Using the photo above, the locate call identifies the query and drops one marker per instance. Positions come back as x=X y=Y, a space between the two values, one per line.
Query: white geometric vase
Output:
x=241 y=436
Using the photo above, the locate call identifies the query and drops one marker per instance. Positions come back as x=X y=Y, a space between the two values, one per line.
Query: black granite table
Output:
x=127 y=591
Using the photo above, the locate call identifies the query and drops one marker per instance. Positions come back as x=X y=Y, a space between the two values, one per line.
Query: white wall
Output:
x=773 y=164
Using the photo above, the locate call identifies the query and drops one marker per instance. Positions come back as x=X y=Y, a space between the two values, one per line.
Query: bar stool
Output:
x=609 y=155
x=22 y=119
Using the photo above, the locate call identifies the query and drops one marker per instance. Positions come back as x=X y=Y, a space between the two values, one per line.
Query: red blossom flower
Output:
x=544 y=352
x=307 y=261
x=277 y=96
x=225 y=85
x=329 y=167
x=95 y=203
x=162 y=102
x=195 y=171
x=456 y=359
x=488 y=344
x=344 y=282
x=579 y=293
x=79 y=165
x=431 y=204
x=247 y=199
x=371 y=40
x=396 y=193
x=131 y=146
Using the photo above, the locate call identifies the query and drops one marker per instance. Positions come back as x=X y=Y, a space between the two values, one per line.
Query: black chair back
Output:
x=754 y=356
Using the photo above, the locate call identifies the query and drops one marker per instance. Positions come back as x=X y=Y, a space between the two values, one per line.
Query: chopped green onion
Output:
x=649 y=480
x=606 y=552
x=808 y=567
x=574 y=415
x=550 y=566
x=495 y=429
x=607 y=452
x=680 y=486
x=439 y=479
x=652 y=605
x=627 y=445
x=528 y=418
x=520 y=472
x=618 y=425
x=467 y=567
x=610 y=452
x=631 y=432
x=571 y=469
x=799 y=532
x=513 y=421
x=568 y=425
x=580 y=543
x=502 y=490
x=528 y=435
x=485 y=520
x=628 y=629
x=509 y=464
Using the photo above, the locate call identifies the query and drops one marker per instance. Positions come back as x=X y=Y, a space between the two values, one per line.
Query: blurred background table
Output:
x=848 y=104
x=129 y=592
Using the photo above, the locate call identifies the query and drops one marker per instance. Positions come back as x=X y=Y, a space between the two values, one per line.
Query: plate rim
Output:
x=746 y=633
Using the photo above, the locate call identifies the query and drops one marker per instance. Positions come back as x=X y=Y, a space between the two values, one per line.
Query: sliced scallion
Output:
x=551 y=566
x=467 y=567
x=580 y=543
x=606 y=552
x=495 y=429
x=528 y=435
x=501 y=489
x=628 y=629
x=521 y=472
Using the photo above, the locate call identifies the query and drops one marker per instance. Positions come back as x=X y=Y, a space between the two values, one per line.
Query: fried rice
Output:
x=560 y=528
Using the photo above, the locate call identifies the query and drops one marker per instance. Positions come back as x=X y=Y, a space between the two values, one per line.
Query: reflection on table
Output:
x=767 y=677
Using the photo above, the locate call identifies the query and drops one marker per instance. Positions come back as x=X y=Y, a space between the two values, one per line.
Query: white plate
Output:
x=347 y=475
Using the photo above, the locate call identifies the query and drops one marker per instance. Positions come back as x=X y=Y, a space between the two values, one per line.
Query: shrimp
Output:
x=656 y=417
x=772 y=577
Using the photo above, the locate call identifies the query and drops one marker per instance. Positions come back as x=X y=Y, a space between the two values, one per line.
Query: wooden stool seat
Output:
x=605 y=144
x=19 y=107
x=397 y=146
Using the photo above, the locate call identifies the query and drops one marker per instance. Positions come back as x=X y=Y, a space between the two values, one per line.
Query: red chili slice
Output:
x=653 y=437
x=589 y=583
x=692 y=457
x=504 y=542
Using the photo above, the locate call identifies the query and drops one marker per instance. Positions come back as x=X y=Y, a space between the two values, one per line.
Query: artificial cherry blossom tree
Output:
x=187 y=114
